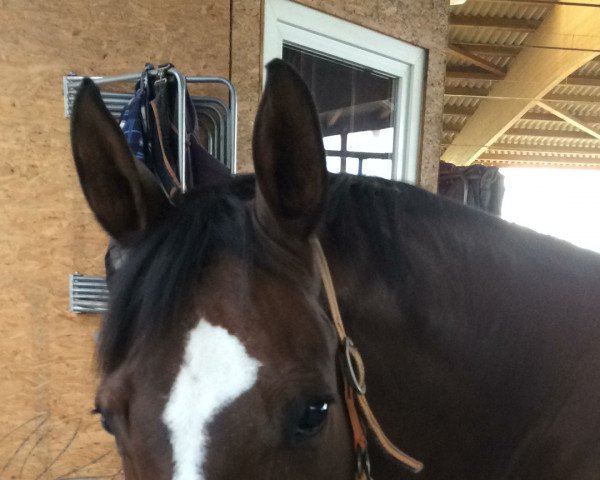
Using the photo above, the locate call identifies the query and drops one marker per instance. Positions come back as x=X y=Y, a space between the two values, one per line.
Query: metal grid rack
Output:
x=217 y=119
x=218 y=122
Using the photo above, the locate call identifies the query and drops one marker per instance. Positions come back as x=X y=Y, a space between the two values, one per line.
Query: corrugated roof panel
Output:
x=469 y=83
x=454 y=62
x=577 y=109
x=583 y=90
x=582 y=109
x=518 y=140
x=557 y=125
x=585 y=109
x=455 y=121
x=501 y=9
x=465 y=102
x=553 y=126
x=590 y=69
x=447 y=138
x=498 y=60
x=486 y=36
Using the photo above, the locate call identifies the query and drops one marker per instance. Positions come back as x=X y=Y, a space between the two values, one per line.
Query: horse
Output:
x=218 y=358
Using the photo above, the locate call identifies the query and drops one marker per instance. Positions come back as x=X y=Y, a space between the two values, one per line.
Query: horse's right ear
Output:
x=121 y=191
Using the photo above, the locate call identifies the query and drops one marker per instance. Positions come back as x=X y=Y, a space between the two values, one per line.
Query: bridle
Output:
x=359 y=411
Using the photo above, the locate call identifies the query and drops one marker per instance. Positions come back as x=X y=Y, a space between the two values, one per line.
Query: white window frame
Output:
x=288 y=22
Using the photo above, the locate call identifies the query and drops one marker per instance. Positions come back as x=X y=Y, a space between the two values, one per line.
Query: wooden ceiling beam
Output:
x=545 y=149
x=495 y=71
x=538 y=160
x=515 y=24
x=535 y=132
x=549 y=3
x=544 y=117
x=532 y=75
x=469 y=73
x=474 y=74
x=571 y=119
x=509 y=51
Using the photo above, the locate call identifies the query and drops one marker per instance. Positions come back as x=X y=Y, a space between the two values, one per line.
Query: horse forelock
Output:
x=152 y=289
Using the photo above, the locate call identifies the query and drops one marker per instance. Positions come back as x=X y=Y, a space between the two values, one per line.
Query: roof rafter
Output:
x=532 y=75
x=509 y=51
x=547 y=160
x=515 y=24
x=496 y=71
x=470 y=73
x=545 y=117
x=572 y=120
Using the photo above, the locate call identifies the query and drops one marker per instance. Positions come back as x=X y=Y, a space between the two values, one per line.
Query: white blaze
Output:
x=216 y=370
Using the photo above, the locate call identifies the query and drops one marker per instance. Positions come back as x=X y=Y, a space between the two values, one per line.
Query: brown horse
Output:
x=481 y=340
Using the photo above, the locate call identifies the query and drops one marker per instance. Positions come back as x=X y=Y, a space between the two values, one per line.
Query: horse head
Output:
x=217 y=359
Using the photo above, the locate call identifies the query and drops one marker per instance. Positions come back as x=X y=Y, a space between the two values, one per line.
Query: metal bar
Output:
x=181 y=127
x=209 y=139
x=222 y=112
x=232 y=124
x=214 y=125
x=221 y=138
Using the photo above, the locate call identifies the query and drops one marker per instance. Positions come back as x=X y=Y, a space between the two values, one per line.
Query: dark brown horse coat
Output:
x=483 y=336
x=481 y=339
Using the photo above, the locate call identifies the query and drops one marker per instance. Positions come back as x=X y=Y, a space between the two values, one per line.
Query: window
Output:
x=367 y=88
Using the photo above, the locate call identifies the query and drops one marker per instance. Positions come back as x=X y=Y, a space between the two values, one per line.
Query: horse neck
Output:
x=443 y=340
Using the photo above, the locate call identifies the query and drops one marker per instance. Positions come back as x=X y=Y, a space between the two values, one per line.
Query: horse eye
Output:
x=105 y=423
x=312 y=419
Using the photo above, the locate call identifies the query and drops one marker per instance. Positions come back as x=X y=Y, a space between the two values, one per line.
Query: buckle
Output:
x=353 y=361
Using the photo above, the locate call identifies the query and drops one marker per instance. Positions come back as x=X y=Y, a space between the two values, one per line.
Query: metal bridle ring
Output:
x=352 y=355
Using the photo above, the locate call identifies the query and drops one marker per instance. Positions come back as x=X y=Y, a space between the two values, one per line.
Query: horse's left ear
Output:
x=289 y=158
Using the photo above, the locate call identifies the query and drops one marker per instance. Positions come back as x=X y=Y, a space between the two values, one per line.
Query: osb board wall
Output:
x=423 y=23
x=47 y=375
x=246 y=72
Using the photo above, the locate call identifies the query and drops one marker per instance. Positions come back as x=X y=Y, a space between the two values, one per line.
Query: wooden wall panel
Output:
x=246 y=72
x=47 y=374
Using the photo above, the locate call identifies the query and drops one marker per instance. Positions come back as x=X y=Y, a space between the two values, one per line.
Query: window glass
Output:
x=333 y=142
x=334 y=164
x=377 y=167
x=356 y=111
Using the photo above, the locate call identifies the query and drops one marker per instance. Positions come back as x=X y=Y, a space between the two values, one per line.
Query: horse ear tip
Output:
x=276 y=64
x=87 y=87
x=278 y=67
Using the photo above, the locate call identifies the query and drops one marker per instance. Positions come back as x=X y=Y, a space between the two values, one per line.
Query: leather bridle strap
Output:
x=355 y=387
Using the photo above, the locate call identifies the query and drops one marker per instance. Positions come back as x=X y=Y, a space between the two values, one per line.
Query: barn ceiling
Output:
x=523 y=84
